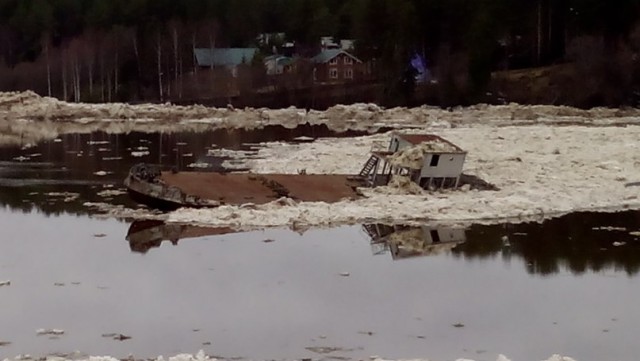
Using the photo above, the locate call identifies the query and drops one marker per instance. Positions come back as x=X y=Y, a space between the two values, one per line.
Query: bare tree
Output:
x=159 y=63
x=176 y=56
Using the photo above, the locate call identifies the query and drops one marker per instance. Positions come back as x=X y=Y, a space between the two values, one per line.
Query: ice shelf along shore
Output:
x=545 y=160
x=28 y=117
x=202 y=357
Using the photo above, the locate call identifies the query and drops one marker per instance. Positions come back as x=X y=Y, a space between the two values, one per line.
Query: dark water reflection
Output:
x=87 y=164
x=563 y=287
x=579 y=242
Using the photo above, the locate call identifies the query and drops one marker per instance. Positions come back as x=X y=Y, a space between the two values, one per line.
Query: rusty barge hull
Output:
x=169 y=190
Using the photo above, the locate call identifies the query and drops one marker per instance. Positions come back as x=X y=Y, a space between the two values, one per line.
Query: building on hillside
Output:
x=426 y=159
x=268 y=39
x=279 y=64
x=335 y=66
x=347 y=44
x=229 y=58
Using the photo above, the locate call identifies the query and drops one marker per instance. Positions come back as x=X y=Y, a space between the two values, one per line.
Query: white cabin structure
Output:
x=427 y=159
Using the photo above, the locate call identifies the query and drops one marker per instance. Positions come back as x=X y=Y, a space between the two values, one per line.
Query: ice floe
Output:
x=541 y=171
x=26 y=117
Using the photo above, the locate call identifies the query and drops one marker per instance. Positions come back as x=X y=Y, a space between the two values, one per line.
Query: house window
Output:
x=348 y=73
x=434 y=160
x=333 y=73
x=348 y=60
x=333 y=61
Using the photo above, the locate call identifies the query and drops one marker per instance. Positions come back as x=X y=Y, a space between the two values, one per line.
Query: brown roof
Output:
x=416 y=139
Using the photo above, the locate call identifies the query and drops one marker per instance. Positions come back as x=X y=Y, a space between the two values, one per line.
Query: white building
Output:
x=427 y=159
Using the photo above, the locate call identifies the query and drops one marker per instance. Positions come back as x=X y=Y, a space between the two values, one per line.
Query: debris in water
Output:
x=101 y=173
x=369 y=333
x=21 y=159
x=59 y=284
x=4 y=343
x=618 y=244
x=5 y=283
x=116 y=336
x=345 y=274
x=52 y=331
x=100 y=235
x=268 y=240
x=458 y=325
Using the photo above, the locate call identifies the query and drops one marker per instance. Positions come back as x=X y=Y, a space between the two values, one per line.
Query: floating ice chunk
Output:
x=49 y=331
x=199 y=165
x=303 y=139
x=200 y=356
x=139 y=154
x=111 y=193
x=559 y=358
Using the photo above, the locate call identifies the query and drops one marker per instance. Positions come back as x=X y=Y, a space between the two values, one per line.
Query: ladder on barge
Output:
x=370 y=170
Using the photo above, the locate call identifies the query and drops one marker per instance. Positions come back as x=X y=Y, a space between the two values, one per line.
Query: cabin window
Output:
x=348 y=60
x=333 y=73
x=348 y=74
x=333 y=61
x=434 y=160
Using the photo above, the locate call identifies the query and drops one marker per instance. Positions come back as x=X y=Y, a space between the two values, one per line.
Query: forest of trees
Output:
x=139 y=50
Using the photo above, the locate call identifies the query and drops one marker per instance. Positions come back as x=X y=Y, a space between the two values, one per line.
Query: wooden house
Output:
x=335 y=66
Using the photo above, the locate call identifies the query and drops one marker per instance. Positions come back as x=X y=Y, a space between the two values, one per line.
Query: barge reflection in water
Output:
x=577 y=242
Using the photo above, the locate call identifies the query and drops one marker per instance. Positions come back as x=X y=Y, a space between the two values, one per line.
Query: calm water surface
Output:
x=567 y=286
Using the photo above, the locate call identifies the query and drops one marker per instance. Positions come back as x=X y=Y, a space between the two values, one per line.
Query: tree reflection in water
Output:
x=579 y=242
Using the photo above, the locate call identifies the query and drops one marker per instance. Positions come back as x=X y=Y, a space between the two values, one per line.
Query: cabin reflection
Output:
x=145 y=235
x=413 y=241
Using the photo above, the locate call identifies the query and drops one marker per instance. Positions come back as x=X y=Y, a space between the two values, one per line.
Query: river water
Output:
x=122 y=288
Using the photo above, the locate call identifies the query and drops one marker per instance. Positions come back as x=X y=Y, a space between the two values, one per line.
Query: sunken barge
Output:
x=426 y=161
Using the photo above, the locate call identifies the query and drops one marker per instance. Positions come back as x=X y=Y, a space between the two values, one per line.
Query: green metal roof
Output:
x=327 y=54
x=224 y=56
